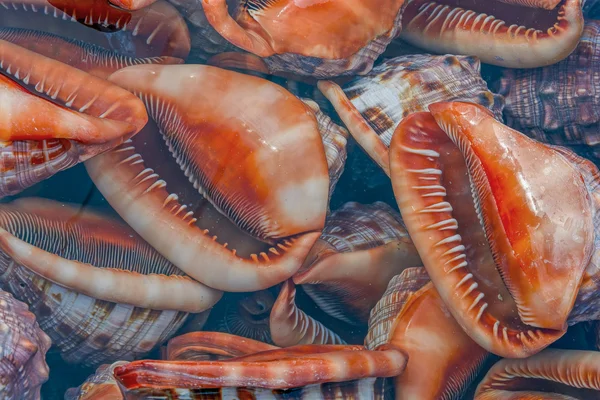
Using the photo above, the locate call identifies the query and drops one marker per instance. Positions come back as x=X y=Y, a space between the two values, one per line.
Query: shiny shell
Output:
x=290 y=326
x=335 y=139
x=86 y=330
x=325 y=51
x=410 y=83
x=558 y=104
x=300 y=372
x=383 y=315
x=361 y=248
x=100 y=385
x=23 y=348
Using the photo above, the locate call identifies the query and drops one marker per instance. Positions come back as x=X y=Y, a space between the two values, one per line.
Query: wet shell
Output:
x=299 y=372
x=305 y=54
x=23 y=348
x=86 y=330
x=204 y=346
x=384 y=313
x=290 y=326
x=407 y=84
x=100 y=385
x=361 y=248
x=335 y=139
x=558 y=104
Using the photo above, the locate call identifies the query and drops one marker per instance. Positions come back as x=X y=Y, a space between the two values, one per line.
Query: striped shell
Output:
x=383 y=315
x=301 y=372
x=361 y=248
x=558 y=104
x=335 y=139
x=290 y=326
x=23 y=348
x=99 y=385
x=87 y=330
x=407 y=84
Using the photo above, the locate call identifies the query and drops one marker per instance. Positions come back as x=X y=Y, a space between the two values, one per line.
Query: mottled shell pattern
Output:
x=87 y=330
x=348 y=287
x=403 y=85
x=335 y=139
x=99 y=385
x=558 y=104
x=23 y=347
x=300 y=372
x=383 y=315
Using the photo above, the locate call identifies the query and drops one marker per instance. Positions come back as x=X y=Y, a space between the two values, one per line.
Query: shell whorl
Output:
x=383 y=315
x=355 y=227
x=558 y=104
x=403 y=85
x=85 y=329
x=23 y=347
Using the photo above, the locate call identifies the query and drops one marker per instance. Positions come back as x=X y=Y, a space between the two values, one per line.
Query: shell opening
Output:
x=440 y=208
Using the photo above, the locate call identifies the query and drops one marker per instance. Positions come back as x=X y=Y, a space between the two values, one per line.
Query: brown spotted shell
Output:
x=347 y=289
x=335 y=139
x=84 y=329
x=99 y=385
x=23 y=347
x=558 y=104
x=383 y=315
x=356 y=226
x=407 y=84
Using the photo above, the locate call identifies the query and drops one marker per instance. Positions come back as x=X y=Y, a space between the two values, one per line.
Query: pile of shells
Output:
x=311 y=199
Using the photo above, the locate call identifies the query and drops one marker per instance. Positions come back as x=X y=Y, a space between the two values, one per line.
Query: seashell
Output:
x=291 y=326
x=558 y=104
x=269 y=31
x=23 y=347
x=373 y=105
x=508 y=35
x=157 y=30
x=274 y=206
x=61 y=137
x=132 y=4
x=398 y=292
x=246 y=315
x=201 y=346
x=492 y=278
x=306 y=372
x=100 y=385
x=551 y=374
x=111 y=314
x=205 y=40
x=361 y=248
x=443 y=359
x=335 y=139
x=87 y=57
